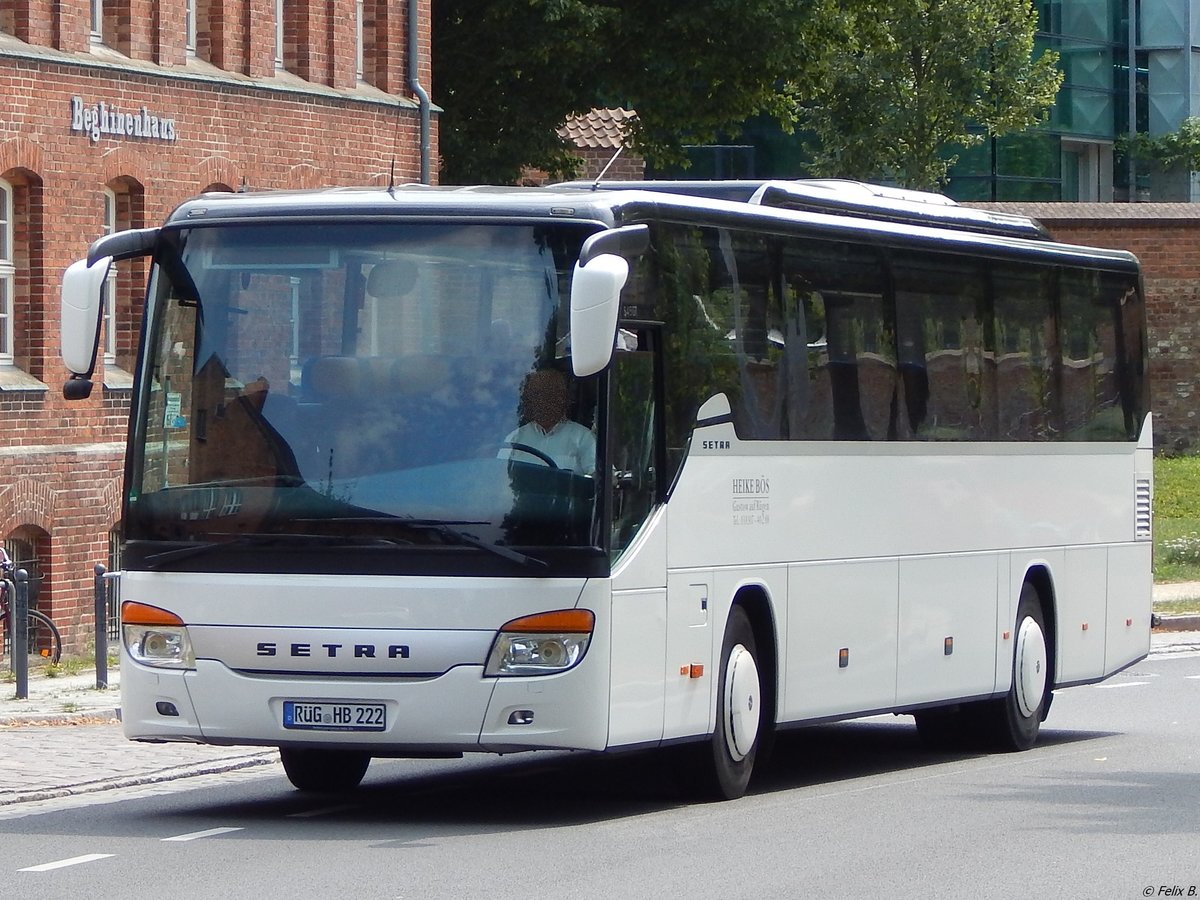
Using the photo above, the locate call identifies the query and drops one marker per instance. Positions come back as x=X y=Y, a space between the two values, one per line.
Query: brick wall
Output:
x=236 y=121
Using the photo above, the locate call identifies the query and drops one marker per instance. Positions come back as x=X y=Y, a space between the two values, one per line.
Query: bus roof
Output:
x=844 y=197
x=847 y=210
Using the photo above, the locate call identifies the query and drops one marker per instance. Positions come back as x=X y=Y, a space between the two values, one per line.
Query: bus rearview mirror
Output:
x=82 y=296
x=595 y=299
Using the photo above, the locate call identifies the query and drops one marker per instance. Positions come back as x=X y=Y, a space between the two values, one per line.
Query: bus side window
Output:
x=631 y=444
x=1028 y=365
x=840 y=342
x=948 y=369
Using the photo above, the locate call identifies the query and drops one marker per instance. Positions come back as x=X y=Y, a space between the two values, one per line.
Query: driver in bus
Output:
x=544 y=404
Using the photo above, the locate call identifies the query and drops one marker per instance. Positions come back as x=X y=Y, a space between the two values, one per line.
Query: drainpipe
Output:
x=414 y=82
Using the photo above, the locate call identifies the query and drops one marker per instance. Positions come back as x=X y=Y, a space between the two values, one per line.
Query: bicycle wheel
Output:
x=45 y=642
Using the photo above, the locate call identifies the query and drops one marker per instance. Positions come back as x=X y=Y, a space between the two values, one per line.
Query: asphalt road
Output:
x=1107 y=805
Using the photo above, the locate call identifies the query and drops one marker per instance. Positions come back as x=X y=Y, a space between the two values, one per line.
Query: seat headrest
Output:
x=391 y=279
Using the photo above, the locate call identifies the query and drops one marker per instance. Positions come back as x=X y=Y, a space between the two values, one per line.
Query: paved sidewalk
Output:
x=1167 y=593
x=66 y=737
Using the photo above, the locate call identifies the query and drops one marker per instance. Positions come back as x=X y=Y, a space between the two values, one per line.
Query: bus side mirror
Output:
x=82 y=297
x=595 y=299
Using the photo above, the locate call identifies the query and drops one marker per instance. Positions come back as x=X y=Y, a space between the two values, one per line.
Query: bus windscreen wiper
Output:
x=156 y=560
x=445 y=529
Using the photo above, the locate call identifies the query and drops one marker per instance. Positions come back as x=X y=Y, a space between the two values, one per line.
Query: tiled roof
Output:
x=604 y=128
x=1059 y=212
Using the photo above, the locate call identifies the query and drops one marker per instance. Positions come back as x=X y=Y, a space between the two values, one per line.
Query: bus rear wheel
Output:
x=727 y=761
x=324 y=771
x=1013 y=722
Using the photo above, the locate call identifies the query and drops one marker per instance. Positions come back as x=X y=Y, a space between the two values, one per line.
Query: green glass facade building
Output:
x=1071 y=157
x=1126 y=64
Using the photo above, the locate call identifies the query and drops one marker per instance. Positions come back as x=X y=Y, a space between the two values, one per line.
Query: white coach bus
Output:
x=423 y=471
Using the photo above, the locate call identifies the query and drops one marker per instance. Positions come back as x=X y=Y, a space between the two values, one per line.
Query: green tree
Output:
x=910 y=77
x=1176 y=150
x=507 y=73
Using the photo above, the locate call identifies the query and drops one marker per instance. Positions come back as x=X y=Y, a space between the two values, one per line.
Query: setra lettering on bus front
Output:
x=333 y=651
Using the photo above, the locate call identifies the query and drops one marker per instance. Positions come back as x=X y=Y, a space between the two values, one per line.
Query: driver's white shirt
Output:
x=568 y=443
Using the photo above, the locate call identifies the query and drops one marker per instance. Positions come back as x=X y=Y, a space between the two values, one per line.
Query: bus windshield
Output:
x=406 y=382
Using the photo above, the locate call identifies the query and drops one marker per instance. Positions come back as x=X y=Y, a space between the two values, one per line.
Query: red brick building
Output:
x=596 y=137
x=113 y=111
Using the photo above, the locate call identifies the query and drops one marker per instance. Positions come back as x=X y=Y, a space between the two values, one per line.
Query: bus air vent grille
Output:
x=1142 y=527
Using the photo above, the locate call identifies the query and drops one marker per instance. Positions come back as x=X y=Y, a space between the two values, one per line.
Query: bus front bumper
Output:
x=459 y=711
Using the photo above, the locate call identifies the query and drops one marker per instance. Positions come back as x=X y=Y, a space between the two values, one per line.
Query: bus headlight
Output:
x=156 y=637
x=541 y=644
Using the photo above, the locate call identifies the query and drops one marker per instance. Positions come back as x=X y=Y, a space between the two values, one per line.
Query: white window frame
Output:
x=278 y=34
x=359 y=15
x=110 y=283
x=8 y=274
x=189 y=27
x=97 y=21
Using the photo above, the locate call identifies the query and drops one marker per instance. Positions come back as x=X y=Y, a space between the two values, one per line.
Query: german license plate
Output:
x=334 y=716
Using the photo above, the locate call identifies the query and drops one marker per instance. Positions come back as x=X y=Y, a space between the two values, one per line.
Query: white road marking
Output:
x=63 y=863
x=1108 y=687
x=197 y=835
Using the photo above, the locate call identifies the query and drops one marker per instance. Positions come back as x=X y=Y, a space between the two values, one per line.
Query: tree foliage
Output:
x=884 y=85
x=1175 y=151
x=507 y=73
x=909 y=77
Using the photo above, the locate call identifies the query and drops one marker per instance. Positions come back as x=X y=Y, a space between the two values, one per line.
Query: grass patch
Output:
x=1177 y=607
x=1177 y=519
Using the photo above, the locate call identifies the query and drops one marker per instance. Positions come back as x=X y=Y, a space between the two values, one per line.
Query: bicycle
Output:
x=45 y=641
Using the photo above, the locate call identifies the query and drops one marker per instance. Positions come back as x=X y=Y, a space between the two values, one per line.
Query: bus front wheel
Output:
x=324 y=771
x=727 y=761
x=1012 y=722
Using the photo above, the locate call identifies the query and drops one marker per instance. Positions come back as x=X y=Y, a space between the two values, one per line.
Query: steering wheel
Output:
x=532 y=451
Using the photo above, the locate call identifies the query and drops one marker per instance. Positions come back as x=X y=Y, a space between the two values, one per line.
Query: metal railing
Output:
x=108 y=619
x=107 y=625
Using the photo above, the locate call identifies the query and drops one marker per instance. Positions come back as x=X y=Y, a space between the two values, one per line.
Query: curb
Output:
x=1178 y=623
x=81 y=717
x=169 y=774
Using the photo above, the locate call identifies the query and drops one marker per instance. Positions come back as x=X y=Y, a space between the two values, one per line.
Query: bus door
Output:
x=637 y=536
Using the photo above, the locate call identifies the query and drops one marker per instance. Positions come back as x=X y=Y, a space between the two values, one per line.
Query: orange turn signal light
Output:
x=572 y=621
x=134 y=613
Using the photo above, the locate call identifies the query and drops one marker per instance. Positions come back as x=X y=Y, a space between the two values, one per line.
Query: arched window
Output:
x=112 y=586
x=8 y=273
x=24 y=548
x=110 y=286
x=123 y=207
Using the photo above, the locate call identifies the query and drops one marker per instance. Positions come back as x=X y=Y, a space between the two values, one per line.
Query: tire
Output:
x=324 y=771
x=1013 y=722
x=727 y=761
x=45 y=642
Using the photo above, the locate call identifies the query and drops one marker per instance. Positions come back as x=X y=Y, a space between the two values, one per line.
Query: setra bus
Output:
x=424 y=471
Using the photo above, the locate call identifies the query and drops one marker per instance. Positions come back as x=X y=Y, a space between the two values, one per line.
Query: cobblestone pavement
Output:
x=66 y=738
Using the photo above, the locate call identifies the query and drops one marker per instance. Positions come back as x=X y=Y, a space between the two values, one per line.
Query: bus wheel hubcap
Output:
x=1031 y=667
x=741 y=703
